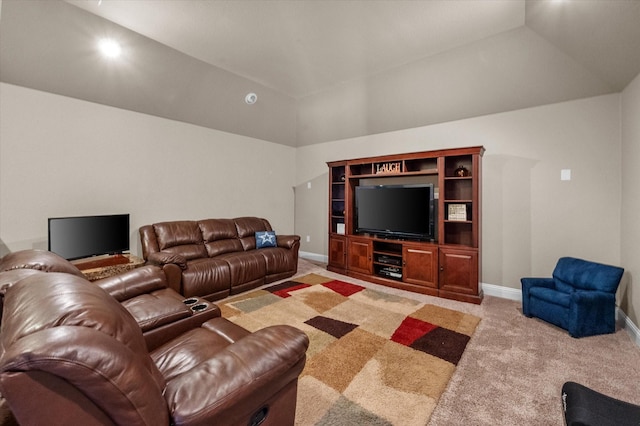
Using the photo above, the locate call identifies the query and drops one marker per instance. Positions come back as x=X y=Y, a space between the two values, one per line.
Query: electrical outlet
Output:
x=308 y=185
x=308 y=238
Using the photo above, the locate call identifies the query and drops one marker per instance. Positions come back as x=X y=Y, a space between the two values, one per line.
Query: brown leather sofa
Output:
x=160 y=311
x=214 y=258
x=70 y=353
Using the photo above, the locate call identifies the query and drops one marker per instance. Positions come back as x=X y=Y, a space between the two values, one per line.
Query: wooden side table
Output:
x=107 y=266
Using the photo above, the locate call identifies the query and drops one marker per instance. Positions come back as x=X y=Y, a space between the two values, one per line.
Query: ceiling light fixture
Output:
x=110 y=48
x=251 y=98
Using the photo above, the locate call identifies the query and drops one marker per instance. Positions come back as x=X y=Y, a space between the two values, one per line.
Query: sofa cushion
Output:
x=216 y=248
x=551 y=296
x=278 y=260
x=195 y=347
x=218 y=229
x=180 y=237
x=246 y=268
x=265 y=239
x=587 y=275
x=220 y=236
x=223 y=375
x=247 y=228
x=206 y=276
x=563 y=286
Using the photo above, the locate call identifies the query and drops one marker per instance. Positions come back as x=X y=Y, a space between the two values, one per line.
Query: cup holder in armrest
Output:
x=190 y=301
x=199 y=307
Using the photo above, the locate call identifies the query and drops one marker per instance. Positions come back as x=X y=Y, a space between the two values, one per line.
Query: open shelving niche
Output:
x=447 y=267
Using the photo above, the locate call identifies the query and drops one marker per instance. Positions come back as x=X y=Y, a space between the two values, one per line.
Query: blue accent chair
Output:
x=580 y=297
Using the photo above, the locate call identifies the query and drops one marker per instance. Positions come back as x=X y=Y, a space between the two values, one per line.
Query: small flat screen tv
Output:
x=85 y=236
x=396 y=211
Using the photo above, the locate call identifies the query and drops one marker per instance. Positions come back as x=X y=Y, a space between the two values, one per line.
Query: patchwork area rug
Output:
x=374 y=358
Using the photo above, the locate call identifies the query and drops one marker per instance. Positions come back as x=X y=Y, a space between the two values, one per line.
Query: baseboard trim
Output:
x=513 y=294
x=502 y=292
x=628 y=325
x=313 y=256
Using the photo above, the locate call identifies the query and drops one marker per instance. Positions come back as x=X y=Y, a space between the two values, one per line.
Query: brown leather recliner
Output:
x=161 y=312
x=71 y=354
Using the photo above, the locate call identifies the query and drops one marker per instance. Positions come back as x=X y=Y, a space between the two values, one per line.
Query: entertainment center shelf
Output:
x=444 y=261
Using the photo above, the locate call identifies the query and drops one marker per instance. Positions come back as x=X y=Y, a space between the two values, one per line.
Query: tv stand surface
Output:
x=101 y=261
x=98 y=267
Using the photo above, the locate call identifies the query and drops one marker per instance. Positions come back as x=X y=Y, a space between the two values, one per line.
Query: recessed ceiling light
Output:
x=110 y=48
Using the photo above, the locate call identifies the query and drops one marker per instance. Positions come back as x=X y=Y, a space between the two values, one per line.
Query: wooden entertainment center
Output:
x=447 y=266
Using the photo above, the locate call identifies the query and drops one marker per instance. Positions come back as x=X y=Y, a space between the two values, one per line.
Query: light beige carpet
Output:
x=374 y=358
x=513 y=367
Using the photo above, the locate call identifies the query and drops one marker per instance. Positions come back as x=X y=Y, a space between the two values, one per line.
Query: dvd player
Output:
x=390 y=271
x=389 y=260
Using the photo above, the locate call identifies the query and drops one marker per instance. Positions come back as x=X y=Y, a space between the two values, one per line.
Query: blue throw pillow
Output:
x=265 y=239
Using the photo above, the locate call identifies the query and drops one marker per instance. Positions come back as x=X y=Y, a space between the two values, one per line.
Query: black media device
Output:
x=396 y=211
x=85 y=236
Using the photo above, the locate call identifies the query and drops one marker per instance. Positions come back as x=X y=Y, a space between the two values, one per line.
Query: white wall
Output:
x=530 y=217
x=64 y=157
x=630 y=227
x=61 y=156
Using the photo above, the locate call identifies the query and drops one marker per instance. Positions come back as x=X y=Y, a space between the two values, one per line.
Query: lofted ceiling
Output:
x=303 y=47
x=317 y=63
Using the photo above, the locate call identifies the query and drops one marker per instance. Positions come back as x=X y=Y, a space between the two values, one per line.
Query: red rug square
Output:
x=410 y=330
x=343 y=288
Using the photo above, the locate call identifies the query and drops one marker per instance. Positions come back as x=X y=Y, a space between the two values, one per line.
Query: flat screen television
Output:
x=85 y=236
x=396 y=211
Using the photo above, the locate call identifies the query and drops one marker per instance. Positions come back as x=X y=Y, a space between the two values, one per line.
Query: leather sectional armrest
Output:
x=133 y=283
x=163 y=258
x=287 y=241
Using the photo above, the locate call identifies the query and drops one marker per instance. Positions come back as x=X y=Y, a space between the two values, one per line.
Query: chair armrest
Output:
x=174 y=276
x=164 y=258
x=239 y=378
x=592 y=312
x=527 y=285
x=592 y=296
x=537 y=282
x=133 y=283
x=287 y=241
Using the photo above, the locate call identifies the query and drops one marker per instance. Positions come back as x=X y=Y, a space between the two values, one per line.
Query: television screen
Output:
x=84 y=236
x=396 y=210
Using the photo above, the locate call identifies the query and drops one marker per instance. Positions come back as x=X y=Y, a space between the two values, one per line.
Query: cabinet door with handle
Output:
x=420 y=265
x=360 y=255
x=459 y=271
x=338 y=252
